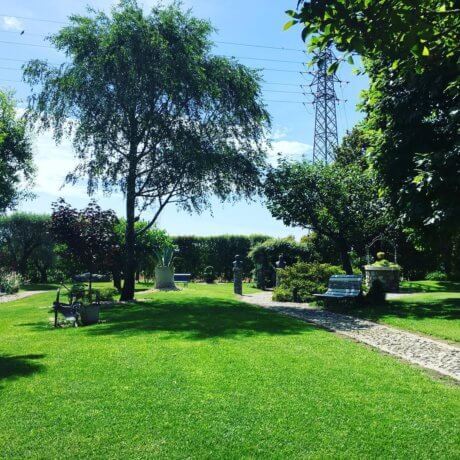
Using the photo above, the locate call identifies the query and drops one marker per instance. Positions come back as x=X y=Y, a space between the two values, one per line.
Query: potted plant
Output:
x=164 y=269
x=209 y=275
x=388 y=273
x=88 y=304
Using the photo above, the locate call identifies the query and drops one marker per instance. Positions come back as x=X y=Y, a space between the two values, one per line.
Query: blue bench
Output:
x=182 y=278
x=343 y=288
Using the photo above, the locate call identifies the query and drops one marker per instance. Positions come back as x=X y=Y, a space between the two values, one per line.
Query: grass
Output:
x=433 y=313
x=430 y=286
x=198 y=374
x=434 y=310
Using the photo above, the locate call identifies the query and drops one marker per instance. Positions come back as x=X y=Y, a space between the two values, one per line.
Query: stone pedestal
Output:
x=164 y=278
x=388 y=276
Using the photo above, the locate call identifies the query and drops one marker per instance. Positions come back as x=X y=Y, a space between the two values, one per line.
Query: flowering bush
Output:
x=10 y=282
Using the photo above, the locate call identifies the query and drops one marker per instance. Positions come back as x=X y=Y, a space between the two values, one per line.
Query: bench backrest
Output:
x=182 y=277
x=345 y=283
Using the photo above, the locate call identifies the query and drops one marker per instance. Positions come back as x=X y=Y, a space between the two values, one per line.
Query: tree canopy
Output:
x=152 y=112
x=25 y=240
x=15 y=154
x=410 y=51
x=88 y=237
x=341 y=203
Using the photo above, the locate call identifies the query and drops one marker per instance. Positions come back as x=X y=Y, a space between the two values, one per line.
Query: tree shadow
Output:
x=197 y=318
x=12 y=367
x=447 y=308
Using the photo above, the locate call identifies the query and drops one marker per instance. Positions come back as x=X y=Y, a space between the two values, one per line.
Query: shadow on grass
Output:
x=39 y=287
x=197 y=318
x=19 y=366
x=447 y=308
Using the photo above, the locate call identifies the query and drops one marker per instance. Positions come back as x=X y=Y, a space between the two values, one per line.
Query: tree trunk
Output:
x=130 y=259
x=116 y=280
x=345 y=257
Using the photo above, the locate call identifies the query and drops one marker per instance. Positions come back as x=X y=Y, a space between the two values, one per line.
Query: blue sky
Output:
x=247 y=23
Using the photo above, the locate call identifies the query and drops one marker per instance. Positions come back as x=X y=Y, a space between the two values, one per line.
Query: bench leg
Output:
x=55 y=318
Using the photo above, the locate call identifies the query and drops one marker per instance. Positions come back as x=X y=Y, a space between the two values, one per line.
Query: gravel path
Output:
x=431 y=354
x=19 y=295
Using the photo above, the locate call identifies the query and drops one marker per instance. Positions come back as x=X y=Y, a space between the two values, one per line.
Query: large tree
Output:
x=23 y=237
x=338 y=202
x=152 y=112
x=411 y=52
x=16 y=169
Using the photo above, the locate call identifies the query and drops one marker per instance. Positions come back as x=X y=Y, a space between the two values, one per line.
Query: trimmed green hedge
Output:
x=196 y=253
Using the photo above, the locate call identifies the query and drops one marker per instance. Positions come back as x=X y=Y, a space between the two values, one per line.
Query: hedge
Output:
x=196 y=253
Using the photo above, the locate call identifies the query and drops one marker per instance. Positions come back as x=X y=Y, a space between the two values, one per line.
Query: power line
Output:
x=25 y=44
x=28 y=18
x=253 y=45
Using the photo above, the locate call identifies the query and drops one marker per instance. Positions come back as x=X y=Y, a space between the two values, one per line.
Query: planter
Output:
x=388 y=276
x=89 y=314
x=164 y=278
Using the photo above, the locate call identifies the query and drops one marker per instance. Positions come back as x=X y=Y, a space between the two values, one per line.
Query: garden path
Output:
x=426 y=352
x=18 y=296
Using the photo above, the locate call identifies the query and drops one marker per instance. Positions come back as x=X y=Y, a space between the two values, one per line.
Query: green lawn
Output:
x=430 y=286
x=197 y=374
x=435 y=310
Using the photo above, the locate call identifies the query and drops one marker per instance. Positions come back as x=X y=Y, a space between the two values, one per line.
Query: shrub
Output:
x=264 y=256
x=299 y=282
x=376 y=293
x=385 y=263
x=436 y=276
x=10 y=282
x=209 y=275
x=106 y=294
x=81 y=293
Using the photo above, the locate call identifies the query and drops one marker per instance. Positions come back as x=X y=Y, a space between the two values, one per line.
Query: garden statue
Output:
x=238 y=275
x=280 y=264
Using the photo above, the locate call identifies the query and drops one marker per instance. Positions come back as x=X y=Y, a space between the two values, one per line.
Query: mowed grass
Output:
x=198 y=374
x=435 y=310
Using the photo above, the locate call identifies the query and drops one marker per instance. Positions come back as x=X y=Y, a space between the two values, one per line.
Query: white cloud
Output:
x=292 y=150
x=11 y=23
x=53 y=163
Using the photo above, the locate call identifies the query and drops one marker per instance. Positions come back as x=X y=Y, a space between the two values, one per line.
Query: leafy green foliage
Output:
x=412 y=105
x=339 y=202
x=406 y=39
x=300 y=281
x=436 y=276
x=265 y=255
x=16 y=168
x=154 y=113
x=195 y=253
x=26 y=245
x=165 y=256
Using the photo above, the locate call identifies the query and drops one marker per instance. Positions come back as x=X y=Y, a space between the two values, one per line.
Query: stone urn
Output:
x=164 y=278
x=89 y=314
x=388 y=276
